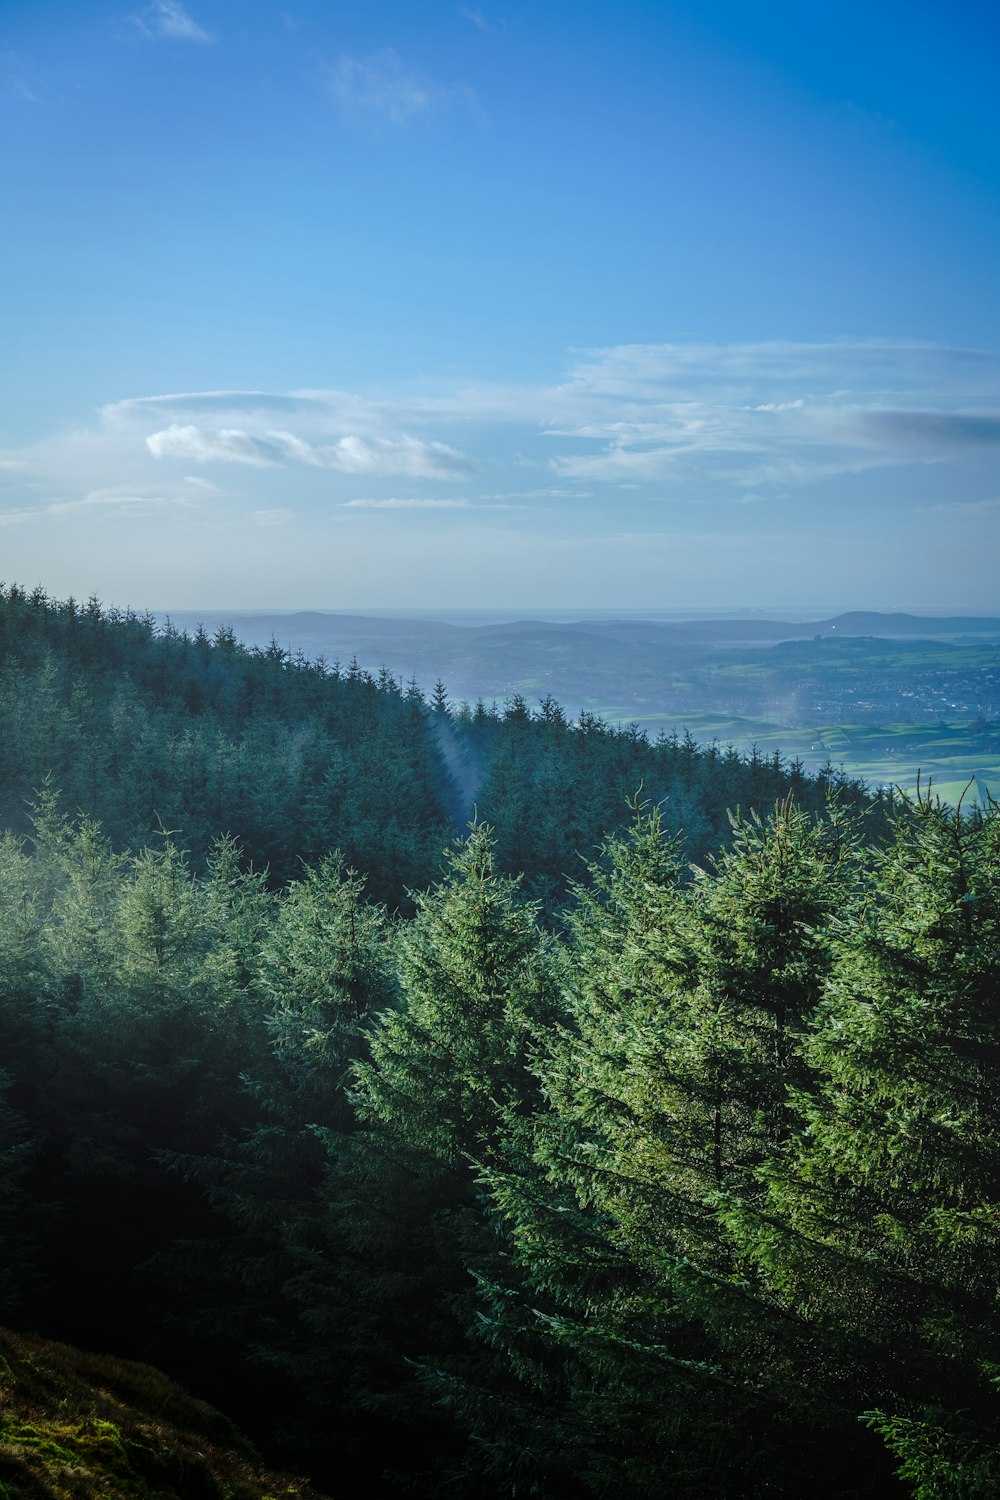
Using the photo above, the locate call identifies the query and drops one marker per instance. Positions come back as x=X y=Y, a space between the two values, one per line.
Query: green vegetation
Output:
x=713 y=676
x=653 y=1180
x=74 y=1426
x=144 y=730
x=947 y=754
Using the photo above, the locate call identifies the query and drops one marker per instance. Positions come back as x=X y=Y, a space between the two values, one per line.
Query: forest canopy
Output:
x=508 y=1105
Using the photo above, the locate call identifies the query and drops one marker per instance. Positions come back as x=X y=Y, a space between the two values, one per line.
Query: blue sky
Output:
x=669 y=305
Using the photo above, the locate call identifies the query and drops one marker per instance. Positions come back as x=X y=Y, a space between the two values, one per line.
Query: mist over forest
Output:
x=881 y=695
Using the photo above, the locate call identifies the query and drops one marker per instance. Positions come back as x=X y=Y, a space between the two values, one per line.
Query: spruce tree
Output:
x=446 y=1066
x=270 y=1282
x=882 y=1230
x=446 y=1072
x=667 y=1094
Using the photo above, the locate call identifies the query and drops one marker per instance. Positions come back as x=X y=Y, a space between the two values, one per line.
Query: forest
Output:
x=492 y=1102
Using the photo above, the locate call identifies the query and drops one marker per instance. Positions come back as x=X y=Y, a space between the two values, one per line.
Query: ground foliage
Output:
x=74 y=1426
x=670 y=1181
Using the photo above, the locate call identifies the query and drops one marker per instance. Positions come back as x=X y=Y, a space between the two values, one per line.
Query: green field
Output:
x=949 y=754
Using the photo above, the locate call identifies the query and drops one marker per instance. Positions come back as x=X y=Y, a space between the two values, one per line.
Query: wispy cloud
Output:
x=475 y=16
x=278 y=515
x=168 y=19
x=380 y=89
x=142 y=407
x=117 y=500
x=117 y=503
x=228 y=445
x=957 y=508
x=406 y=455
x=553 y=492
x=14 y=75
x=405 y=504
x=14 y=72
x=770 y=413
x=627 y=427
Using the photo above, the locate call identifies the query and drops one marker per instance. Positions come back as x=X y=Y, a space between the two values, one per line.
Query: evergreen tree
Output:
x=666 y=1095
x=269 y=1281
x=882 y=1231
x=446 y=1072
x=447 y=1064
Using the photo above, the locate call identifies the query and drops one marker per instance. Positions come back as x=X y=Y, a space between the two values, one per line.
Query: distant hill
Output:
x=315 y=631
x=929 y=626
x=652 y=670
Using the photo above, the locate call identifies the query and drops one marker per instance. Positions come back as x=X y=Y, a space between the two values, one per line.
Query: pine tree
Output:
x=447 y=1065
x=269 y=1282
x=666 y=1095
x=882 y=1230
x=447 y=1071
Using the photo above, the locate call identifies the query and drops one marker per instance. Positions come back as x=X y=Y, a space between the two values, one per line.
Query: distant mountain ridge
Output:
x=253 y=627
x=664 y=671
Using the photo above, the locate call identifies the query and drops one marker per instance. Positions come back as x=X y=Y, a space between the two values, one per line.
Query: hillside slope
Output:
x=75 y=1424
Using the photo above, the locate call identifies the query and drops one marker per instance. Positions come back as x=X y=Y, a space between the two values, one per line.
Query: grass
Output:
x=74 y=1426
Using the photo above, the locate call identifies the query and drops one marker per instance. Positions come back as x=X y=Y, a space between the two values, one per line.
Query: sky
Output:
x=660 y=305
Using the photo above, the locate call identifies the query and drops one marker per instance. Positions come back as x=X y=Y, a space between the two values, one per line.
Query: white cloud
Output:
x=169 y=19
x=642 y=370
x=276 y=516
x=141 y=408
x=415 y=504
x=381 y=89
x=630 y=427
x=228 y=445
x=405 y=455
x=678 y=414
x=411 y=456
x=475 y=16
x=553 y=492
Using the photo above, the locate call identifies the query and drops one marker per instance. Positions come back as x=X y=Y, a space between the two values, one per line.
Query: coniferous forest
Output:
x=493 y=1104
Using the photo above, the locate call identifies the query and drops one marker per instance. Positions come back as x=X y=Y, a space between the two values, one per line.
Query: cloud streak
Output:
x=404 y=455
x=380 y=89
x=405 y=504
x=14 y=76
x=168 y=20
x=141 y=408
x=981 y=508
x=627 y=426
x=770 y=413
x=105 y=503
